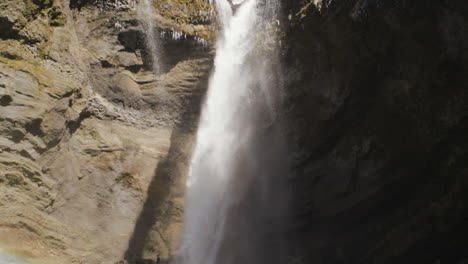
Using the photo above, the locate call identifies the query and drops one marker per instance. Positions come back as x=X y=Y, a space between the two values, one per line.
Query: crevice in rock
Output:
x=78 y=4
x=26 y=154
x=68 y=94
x=9 y=55
x=34 y=127
x=131 y=39
x=106 y=64
x=134 y=68
x=73 y=125
x=5 y=100
x=7 y=30
x=17 y=136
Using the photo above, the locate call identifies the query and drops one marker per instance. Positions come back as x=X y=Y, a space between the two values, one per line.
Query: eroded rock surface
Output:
x=94 y=147
x=87 y=132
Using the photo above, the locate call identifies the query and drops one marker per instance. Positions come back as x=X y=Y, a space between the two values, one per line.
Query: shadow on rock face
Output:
x=158 y=191
x=169 y=173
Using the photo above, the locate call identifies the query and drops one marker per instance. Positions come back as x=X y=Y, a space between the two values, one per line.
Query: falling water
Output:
x=6 y=258
x=146 y=14
x=234 y=199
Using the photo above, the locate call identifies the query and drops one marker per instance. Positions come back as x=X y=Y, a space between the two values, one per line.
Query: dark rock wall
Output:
x=376 y=97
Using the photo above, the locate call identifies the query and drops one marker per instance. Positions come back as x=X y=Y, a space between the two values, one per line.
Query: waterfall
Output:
x=146 y=14
x=234 y=198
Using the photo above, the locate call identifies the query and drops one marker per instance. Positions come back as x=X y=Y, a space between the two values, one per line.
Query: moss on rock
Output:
x=192 y=16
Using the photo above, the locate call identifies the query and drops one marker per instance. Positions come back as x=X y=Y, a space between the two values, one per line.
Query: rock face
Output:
x=377 y=92
x=94 y=147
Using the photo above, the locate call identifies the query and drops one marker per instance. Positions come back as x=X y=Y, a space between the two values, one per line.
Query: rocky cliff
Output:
x=94 y=146
x=377 y=95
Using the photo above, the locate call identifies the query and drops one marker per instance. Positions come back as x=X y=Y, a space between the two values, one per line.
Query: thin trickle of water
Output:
x=146 y=14
x=9 y=259
x=236 y=157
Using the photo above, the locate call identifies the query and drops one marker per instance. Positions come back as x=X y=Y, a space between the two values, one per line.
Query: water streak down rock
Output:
x=236 y=166
x=146 y=14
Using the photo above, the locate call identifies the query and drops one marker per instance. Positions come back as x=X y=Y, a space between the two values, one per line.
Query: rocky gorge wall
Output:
x=94 y=147
x=377 y=98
